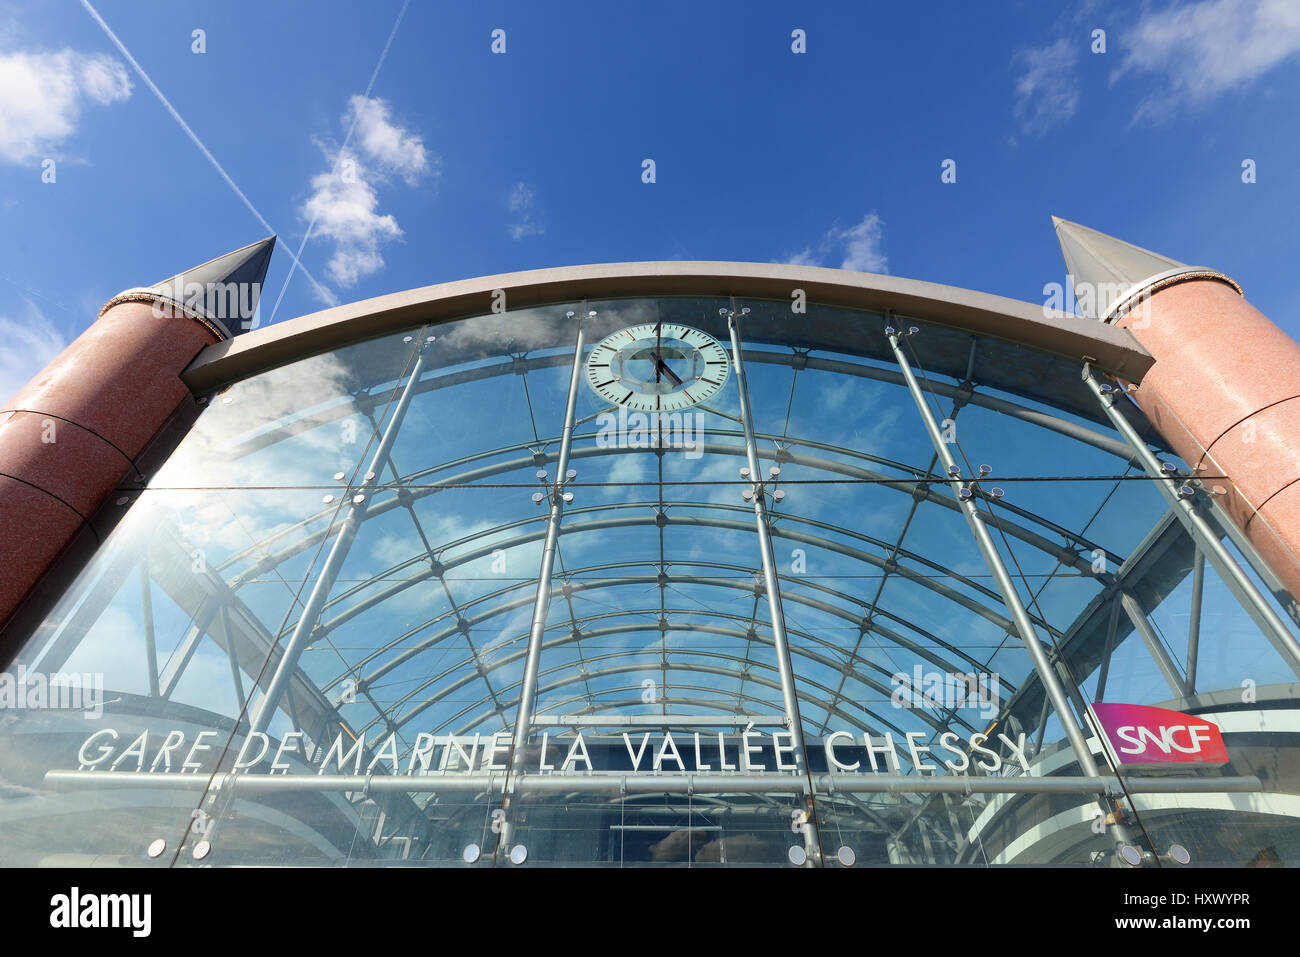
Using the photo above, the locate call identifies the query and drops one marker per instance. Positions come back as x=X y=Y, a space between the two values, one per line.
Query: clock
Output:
x=657 y=367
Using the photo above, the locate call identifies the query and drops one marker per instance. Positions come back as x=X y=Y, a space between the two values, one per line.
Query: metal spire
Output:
x=221 y=293
x=1105 y=267
x=1091 y=256
x=1110 y=276
x=248 y=264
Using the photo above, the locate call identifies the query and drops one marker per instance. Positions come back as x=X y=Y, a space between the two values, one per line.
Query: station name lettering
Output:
x=169 y=752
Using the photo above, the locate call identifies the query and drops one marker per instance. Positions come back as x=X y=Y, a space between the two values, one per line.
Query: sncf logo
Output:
x=1142 y=735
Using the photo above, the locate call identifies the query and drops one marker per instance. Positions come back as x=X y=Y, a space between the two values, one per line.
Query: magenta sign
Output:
x=1147 y=736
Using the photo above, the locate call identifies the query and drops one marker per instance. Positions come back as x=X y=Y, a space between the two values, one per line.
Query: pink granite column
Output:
x=75 y=431
x=1225 y=393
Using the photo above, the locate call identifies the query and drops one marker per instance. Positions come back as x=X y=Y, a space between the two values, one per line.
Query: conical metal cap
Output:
x=224 y=290
x=246 y=265
x=1103 y=268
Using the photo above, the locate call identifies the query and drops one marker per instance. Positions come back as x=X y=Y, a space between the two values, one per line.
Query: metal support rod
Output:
x=1238 y=582
x=771 y=583
x=542 y=603
x=229 y=637
x=1194 y=622
x=1168 y=668
x=356 y=514
x=180 y=658
x=994 y=561
x=1073 y=693
x=896 y=852
x=1221 y=520
x=293 y=710
x=655 y=720
x=923 y=828
x=1111 y=625
x=583 y=784
x=958 y=832
x=146 y=613
x=1042 y=726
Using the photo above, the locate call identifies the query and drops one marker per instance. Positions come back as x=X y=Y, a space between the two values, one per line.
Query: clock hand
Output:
x=661 y=366
x=659 y=329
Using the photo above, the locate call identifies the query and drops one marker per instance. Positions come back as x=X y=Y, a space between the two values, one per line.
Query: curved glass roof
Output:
x=388 y=501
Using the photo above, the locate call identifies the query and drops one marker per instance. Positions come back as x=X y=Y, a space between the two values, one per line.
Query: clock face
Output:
x=657 y=367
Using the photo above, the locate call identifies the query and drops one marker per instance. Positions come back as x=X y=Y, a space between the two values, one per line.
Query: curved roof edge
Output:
x=1111 y=349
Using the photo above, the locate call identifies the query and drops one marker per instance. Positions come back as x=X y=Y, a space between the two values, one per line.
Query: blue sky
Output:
x=466 y=163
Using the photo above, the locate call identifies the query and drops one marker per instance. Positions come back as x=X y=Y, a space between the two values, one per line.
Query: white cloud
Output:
x=859 y=247
x=523 y=204
x=1208 y=48
x=804 y=257
x=1047 y=92
x=42 y=94
x=344 y=204
x=862 y=251
x=26 y=347
x=391 y=147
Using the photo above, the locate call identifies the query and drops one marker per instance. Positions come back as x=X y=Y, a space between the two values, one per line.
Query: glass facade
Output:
x=307 y=640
